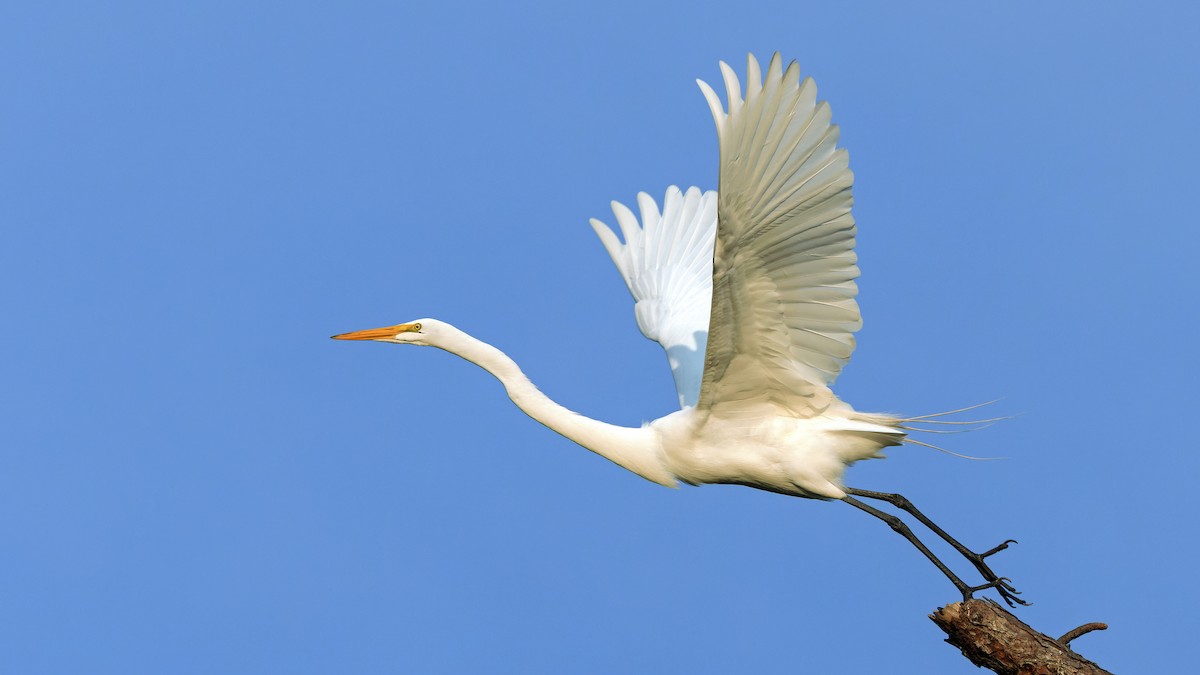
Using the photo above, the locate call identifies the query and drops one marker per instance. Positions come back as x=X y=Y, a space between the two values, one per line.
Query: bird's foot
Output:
x=1003 y=585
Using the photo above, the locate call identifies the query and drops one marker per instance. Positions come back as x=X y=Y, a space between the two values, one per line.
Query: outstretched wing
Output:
x=783 y=310
x=667 y=265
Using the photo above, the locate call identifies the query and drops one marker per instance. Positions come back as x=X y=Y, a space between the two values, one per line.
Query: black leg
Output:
x=903 y=530
x=1001 y=584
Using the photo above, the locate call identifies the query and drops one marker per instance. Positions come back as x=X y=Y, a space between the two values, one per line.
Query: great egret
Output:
x=750 y=290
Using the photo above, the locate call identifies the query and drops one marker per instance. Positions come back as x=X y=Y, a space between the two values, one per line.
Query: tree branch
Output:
x=992 y=638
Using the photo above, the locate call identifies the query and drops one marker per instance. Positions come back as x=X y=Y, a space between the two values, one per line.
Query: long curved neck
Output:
x=633 y=449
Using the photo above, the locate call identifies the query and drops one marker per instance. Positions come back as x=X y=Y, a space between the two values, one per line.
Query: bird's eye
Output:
x=416 y=327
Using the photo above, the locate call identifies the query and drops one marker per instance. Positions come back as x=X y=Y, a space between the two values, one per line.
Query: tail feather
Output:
x=908 y=424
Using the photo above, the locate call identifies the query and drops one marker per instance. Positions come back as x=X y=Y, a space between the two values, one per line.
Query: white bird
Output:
x=750 y=290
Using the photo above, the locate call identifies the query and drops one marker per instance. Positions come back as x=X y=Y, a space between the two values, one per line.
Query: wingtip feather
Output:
x=611 y=244
x=753 y=77
x=775 y=67
x=714 y=105
x=627 y=222
x=733 y=88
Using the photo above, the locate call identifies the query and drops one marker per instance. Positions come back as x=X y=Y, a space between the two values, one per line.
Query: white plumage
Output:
x=667 y=265
x=750 y=291
x=767 y=298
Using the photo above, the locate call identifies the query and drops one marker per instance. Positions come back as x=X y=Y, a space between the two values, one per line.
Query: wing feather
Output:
x=666 y=263
x=783 y=312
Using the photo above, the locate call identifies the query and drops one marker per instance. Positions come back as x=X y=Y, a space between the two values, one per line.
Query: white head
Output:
x=430 y=332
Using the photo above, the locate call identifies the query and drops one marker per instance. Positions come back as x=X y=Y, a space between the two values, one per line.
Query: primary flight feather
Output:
x=750 y=291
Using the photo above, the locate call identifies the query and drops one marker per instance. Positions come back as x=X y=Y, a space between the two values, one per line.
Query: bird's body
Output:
x=799 y=456
x=750 y=291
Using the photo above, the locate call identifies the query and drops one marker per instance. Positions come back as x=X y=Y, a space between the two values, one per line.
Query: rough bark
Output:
x=992 y=638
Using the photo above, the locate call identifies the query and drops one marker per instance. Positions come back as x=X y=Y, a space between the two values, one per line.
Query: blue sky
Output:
x=194 y=196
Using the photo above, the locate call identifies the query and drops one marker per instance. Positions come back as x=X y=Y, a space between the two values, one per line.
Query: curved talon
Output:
x=1003 y=585
x=1009 y=597
x=1003 y=545
x=1004 y=589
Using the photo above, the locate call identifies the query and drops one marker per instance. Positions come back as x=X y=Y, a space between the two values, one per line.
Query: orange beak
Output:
x=375 y=333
